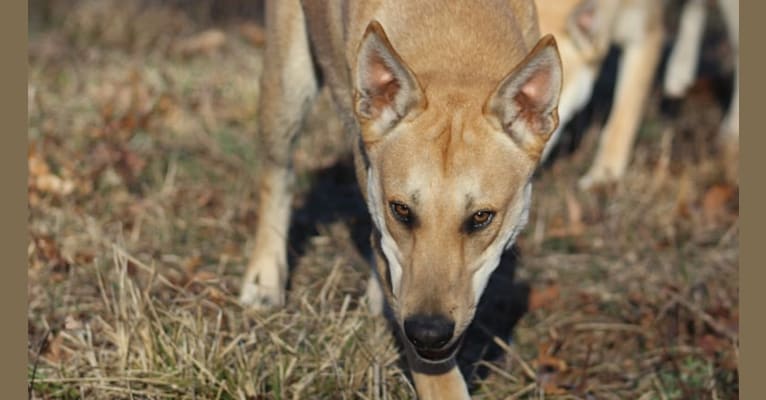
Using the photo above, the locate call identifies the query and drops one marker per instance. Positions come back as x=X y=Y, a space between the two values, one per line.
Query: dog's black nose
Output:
x=428 y=331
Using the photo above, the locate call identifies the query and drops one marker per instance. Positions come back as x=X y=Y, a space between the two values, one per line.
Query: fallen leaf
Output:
x=202 y=43
x=254 y=33
x=539 y=298
x=715 y=202
x=204 y=276
x=207 y=198
x=549 y=369
x=712 y=344
x=37 y=165
x=71 y=323
x=191 y=264
x=134 y=163
x=55 y=352
x=216 y=295
x=48 y=252
x=53 y=184
x=41 y=178
x=84 y=256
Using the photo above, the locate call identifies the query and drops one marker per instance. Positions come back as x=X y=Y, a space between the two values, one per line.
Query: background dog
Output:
x=587 y=28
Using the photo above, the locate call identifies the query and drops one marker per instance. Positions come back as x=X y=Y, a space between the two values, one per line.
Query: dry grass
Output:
x=141 y=213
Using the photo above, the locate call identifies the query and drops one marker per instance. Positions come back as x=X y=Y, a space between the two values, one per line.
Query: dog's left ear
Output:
x=526 y=101
x=385 y=89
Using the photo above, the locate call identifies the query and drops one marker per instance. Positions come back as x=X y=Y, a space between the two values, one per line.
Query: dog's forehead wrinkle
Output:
x=469 y=199
x=415 y=197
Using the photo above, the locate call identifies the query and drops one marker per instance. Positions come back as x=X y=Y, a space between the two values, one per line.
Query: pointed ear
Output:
x=385 y=89
x=526 y=101
x=588 y=25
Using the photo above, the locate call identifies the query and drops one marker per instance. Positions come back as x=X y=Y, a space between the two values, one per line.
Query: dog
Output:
x=585 y=30
x=448 y=106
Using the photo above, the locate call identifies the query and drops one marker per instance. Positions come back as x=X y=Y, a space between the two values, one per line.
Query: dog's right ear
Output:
x=385 y=89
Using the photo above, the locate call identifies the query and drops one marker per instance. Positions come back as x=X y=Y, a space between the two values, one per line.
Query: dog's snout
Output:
x=428 y=332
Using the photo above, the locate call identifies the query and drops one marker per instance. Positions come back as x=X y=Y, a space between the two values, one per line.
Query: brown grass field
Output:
x=142 y=208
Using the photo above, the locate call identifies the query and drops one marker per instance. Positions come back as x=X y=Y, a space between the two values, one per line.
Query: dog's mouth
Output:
x=439 y=355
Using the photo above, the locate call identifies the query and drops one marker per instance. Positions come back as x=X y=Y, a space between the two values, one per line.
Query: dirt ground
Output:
x=142 y=207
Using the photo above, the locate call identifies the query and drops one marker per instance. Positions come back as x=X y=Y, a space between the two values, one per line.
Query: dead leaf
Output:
x=207 y=198
x=191 y=264
x=37 y=165
x=133 y=162
x=41 y=178
x=716 y=200
x=254 y=33
x=549 y=370
x=84 y=256
x=48 y=252
x=205 y=42
x=55 y=352
x=53 y=184
x=126 y=162
x=539 y=298
x=204 y=276
x=712 y=344
x=216 y=295
x=131 y=268
x=71 y=323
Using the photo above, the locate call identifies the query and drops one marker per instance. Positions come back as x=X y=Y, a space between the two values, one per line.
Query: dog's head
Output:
x=448 y=184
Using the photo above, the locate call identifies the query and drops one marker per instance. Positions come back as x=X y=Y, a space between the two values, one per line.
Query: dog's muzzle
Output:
x=430 y=336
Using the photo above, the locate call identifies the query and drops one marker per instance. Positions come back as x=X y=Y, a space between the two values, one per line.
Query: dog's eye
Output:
x=480 y=219
x=401 y=212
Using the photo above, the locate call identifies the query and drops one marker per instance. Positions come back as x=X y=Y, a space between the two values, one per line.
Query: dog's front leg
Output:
x=441 y=381
x=288 y=85
x=634 y=81
x=447 y=386
x=682 y=61
x=729 y=134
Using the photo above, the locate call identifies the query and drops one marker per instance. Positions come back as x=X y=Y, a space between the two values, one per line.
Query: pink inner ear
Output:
x=381 y=85
x=536 y=88
x=378 y=75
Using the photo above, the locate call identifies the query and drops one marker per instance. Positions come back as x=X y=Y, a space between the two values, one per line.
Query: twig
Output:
x=146 y=268
x=608 y=326
x=584 y=376
x=37 y=361
x=712 y=323
x=523 y=391
x=508 y=349
x=499 y=371
x=658 y=386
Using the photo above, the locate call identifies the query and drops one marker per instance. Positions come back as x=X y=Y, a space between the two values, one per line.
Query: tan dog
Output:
x=585 y=29
x=449 y=105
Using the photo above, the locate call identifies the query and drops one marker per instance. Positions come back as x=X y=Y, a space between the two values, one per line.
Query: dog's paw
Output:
x=261 y=297
x=594 y=179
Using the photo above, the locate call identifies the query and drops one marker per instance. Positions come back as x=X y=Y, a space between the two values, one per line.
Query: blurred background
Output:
x=142 y=166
